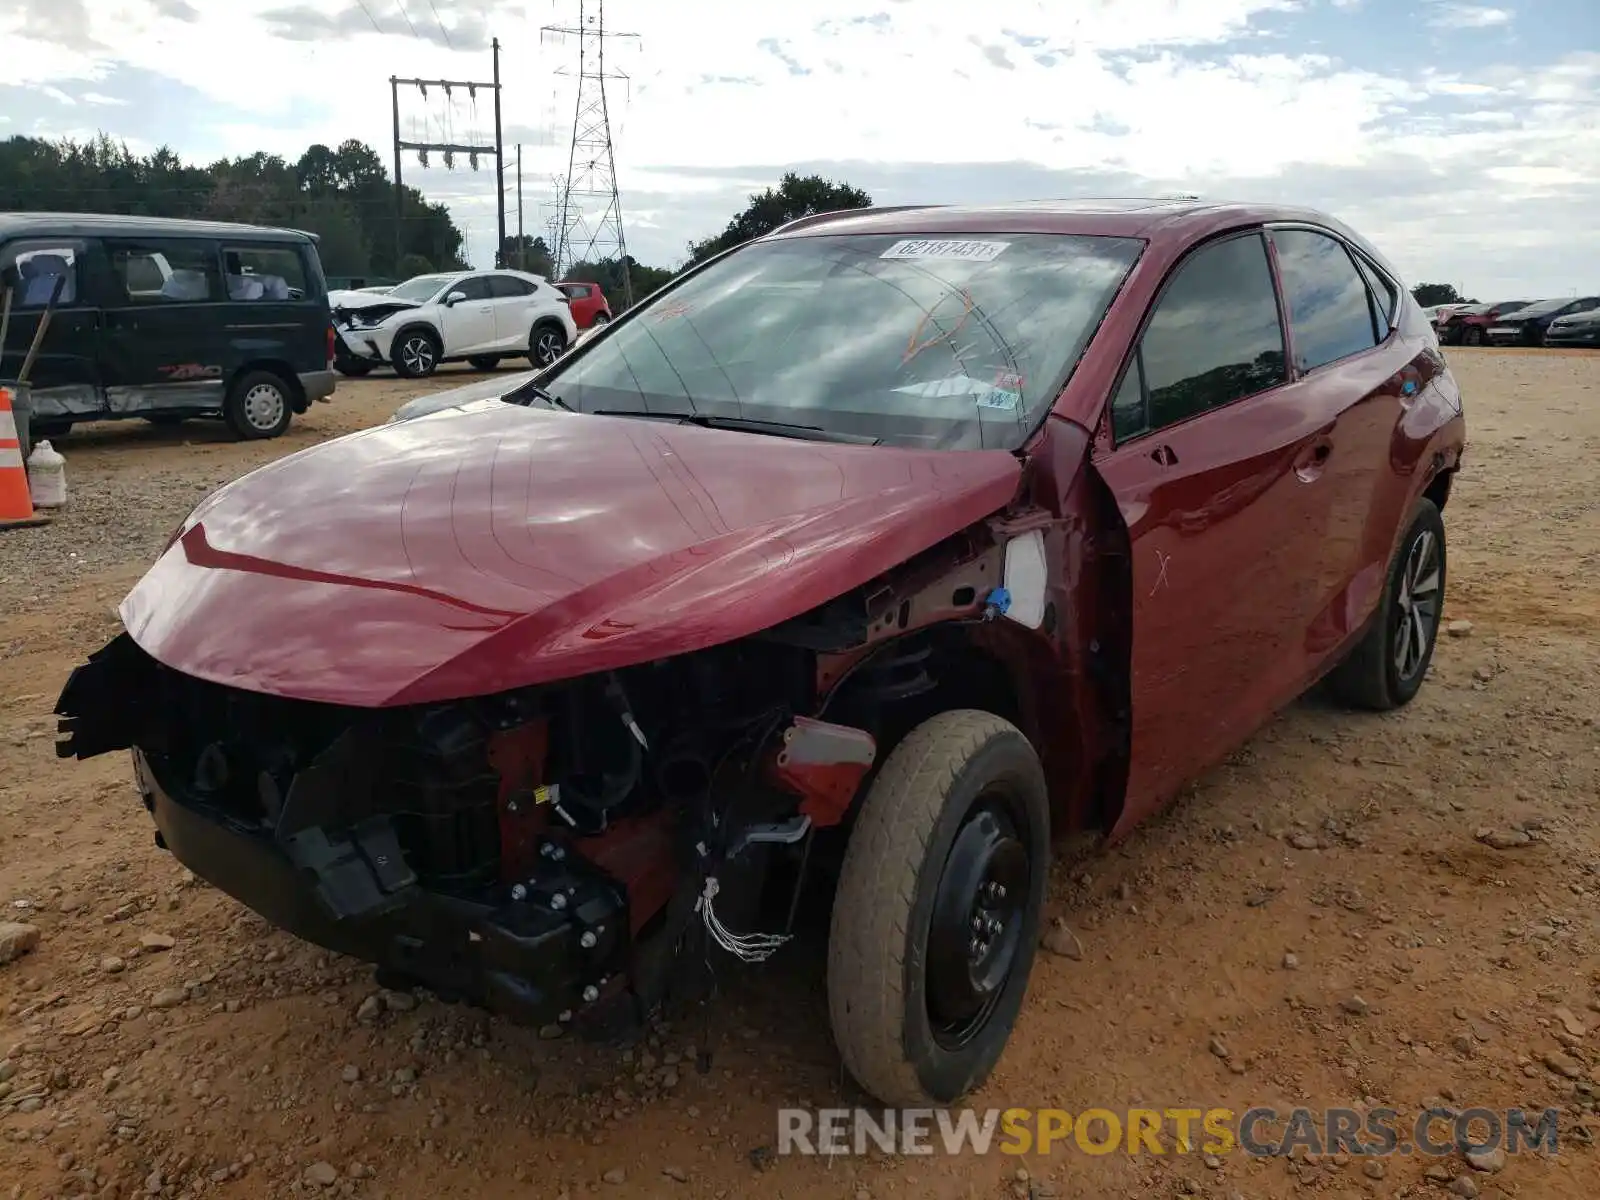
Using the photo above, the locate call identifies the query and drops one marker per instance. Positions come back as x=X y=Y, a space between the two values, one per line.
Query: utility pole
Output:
x=590 y=221
x=450 y=149
x=522 y=246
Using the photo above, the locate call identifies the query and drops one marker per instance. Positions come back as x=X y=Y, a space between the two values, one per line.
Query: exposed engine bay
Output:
x=543 y=850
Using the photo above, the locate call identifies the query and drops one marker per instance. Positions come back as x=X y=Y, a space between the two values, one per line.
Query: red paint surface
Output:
x=441 y=558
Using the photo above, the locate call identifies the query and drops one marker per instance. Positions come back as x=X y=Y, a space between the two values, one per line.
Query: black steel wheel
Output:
x=937 y=913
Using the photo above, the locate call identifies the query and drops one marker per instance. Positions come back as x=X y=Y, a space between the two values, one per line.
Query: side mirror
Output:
x=454 y=298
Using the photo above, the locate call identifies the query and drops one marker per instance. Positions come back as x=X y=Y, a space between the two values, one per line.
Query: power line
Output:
x=376 y=28
x=401 y=5
x=437 y=20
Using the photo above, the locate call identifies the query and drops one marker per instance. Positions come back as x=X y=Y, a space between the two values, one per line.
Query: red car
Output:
x=588 y=303
x=545 y=701
x=1469 y=326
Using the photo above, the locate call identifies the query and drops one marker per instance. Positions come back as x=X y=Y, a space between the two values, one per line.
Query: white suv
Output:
x=481 y=316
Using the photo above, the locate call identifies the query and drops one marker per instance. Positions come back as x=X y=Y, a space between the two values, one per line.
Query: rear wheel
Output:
x=937 y=912
x=415 y=354
x=546 y=344
x=484 y=362
x=258 y=406
x=600 y=319
x=1386 y=668
x=1472 y=336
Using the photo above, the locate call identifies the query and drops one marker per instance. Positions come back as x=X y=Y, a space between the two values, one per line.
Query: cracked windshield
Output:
x=943 y=341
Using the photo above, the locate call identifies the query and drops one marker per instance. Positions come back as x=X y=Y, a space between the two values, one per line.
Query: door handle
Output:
x=1309 y=463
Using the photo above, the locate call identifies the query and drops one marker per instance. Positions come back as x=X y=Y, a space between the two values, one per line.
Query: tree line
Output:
x=345 y=196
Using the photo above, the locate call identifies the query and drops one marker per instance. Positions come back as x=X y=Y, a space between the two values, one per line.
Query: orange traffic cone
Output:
x=16 y=505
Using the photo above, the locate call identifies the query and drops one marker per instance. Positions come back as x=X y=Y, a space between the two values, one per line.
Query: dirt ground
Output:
x=1355 y=910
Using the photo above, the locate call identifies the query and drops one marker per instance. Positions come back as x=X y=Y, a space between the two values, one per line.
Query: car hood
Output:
x=491 y=388
x=473 y=551
x=357 y=301
x=1591 y=317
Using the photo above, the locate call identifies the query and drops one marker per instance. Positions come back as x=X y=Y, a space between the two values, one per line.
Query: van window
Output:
x=166 y=272
x=33 y=268
x=258 y=272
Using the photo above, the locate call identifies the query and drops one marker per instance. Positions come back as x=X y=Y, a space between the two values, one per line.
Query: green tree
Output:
x=530 y=254
x=1429 y=294
x=795 y=196
x=341 y=193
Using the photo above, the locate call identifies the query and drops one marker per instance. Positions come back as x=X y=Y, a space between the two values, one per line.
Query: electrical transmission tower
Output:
x=589 y=223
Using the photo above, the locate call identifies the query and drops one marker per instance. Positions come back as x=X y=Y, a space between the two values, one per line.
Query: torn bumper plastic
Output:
x=531 y=960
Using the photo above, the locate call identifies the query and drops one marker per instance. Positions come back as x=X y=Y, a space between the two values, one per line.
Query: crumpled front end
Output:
x=510 y=850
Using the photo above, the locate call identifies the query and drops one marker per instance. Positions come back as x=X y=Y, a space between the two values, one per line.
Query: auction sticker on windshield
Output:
x=945 y=248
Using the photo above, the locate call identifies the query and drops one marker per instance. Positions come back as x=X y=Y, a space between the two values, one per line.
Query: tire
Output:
x=354 y=368
x=415 y=353
x=1372 y=675
x=258 y=406
x=47 y=430
x=546 y=343
x=599 y=320
x=484 y=362
x=1472 y=335
x=904 y=916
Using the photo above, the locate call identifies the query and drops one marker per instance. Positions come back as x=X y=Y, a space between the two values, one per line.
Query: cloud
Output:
x=1012 y=99
x=1451 y=15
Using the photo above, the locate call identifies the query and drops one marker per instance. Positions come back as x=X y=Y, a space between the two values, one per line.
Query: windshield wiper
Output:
x=808 y=433
x=534 y=392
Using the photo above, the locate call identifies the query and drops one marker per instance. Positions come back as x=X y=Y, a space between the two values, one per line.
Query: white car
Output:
x=480 y=316
x=506 y=387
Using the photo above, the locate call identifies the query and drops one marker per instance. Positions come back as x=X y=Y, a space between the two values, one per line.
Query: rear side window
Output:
x=576 y=290
x=166 y=272
x=505 y=287
x=1385 y=296
x=1330 y=315
x=1213 y=338
x=35 y=269
x=261 y=272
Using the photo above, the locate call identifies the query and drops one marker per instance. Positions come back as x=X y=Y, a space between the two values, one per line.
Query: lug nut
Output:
x=558 y=901
x=518 y=892
x=588 y=940
x=591 y=994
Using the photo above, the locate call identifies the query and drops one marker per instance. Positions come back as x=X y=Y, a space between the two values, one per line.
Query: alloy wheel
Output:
x=1417 y=606
x=417 y=354
x=547 y=347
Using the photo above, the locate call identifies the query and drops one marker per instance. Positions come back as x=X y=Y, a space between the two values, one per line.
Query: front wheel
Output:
x=1473 y=336
x=415 y=354
x=938 y=907
x=546 y=344
x=484 y=362
x=258 y=406
x=352 y=367
x=1387 y=666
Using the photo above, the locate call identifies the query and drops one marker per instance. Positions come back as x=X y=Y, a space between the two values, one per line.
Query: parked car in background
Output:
x=1526 y=326
x=1436 y=314
x=589 y=304
x=480 y=316
x=542 y=704
x=166 y=320
x=1469 y=326
x=1574 y=329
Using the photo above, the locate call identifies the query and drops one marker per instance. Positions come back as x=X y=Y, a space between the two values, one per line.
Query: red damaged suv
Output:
x=547 y=702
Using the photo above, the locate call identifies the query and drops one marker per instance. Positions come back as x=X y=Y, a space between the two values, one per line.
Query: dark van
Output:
x=165 y=320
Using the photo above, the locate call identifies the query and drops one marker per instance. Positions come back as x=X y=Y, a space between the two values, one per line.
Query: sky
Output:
x=1459 y=135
